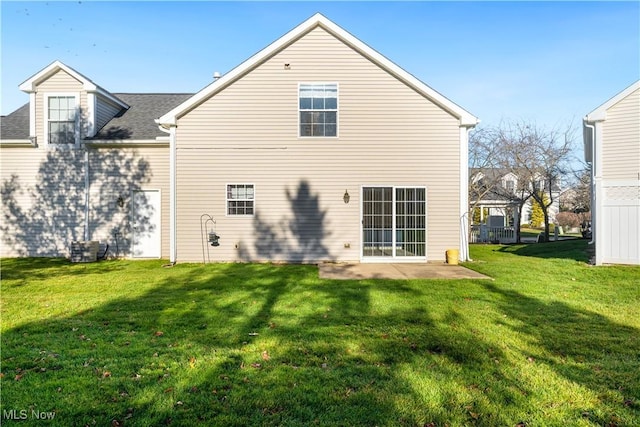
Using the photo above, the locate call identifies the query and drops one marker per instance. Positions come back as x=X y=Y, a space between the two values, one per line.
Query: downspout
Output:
x=91 y=106
x=464 y=194
x=86 y=193
x=173 y=251
x=172 y=193
x=593 y=185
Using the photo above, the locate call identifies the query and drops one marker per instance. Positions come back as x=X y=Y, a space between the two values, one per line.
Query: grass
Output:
x=550 y=341
x=528 y=232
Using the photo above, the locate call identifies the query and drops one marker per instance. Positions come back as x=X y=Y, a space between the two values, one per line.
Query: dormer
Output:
x=509 y=182
x=66 y=107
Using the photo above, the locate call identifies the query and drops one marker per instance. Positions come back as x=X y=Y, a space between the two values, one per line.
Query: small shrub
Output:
x=568 y=219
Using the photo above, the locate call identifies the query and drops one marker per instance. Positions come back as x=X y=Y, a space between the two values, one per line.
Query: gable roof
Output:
x=600 y=113
x=318 y=20
x=30 y=84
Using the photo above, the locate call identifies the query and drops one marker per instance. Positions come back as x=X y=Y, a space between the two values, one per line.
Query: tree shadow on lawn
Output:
x=245 y=344
x=567 y=249
x=576 y=344
x=25 y=269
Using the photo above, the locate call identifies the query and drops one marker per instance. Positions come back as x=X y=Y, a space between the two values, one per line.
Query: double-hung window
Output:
x=240 y=199
x=510 y=186
x=318 y=104
x=61 y=119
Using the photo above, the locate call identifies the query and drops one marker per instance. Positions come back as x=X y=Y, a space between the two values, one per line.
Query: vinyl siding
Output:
x=617 y=230
x=388 y=134
x=105 y=111
x=61 y=81
x=48 y=210
x=117 y=172
x=621 y=139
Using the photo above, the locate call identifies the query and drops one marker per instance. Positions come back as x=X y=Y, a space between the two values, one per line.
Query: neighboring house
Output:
x=495 y=195
x=612 y=146
x=317 y=148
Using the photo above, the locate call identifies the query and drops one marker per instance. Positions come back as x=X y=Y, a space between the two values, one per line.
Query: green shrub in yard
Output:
x=550 y=341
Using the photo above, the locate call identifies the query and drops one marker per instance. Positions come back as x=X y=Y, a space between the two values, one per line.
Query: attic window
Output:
x=61 y=120
x=318 y=104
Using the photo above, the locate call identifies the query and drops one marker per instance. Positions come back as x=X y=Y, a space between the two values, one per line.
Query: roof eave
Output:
x=600 y=113
x=170 y=119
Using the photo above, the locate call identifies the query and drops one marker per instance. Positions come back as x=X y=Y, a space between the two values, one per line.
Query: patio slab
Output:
x=436 y=270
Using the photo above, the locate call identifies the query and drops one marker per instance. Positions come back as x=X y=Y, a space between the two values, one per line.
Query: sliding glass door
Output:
x=394 y=223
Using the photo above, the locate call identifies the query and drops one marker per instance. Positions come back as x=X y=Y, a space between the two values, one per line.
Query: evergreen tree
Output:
x=537 y=214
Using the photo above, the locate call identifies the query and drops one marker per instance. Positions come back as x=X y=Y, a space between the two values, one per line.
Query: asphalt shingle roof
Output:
x=16 y=124
x=136 y=123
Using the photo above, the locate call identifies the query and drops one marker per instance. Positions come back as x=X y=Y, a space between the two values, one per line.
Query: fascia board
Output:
x=466 y=118
x=170 y=118
x=113 y=99
x=30 y=84
x=600 y=113
x=110 y=97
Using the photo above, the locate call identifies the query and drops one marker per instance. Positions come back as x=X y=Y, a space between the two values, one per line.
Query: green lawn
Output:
x=550 y=341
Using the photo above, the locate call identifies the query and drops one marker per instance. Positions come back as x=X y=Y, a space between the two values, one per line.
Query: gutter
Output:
x=96 y=143
x=18 y=143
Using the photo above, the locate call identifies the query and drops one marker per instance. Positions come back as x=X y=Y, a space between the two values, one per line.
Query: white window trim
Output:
x=337 y=110
x=226 y=200
x=45 y=119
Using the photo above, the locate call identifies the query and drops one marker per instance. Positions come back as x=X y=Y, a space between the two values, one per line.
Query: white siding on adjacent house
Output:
x=388 y=134
x=621 y=139
x=617 y=201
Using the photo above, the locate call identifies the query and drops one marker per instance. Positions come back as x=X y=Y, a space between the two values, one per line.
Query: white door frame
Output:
x=157 y=216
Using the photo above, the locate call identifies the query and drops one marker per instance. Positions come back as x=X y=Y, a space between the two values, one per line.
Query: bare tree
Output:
x=540 y=159
x=491 y=152
x=485 y=153
x=577 y=198
x=486 y=168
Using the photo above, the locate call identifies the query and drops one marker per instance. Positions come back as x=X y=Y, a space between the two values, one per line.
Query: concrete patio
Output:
x=436 y=270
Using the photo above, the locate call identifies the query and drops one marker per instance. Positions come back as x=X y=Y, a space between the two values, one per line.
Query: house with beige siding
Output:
x=82 y=164
x=317 y=148
x=612 y=147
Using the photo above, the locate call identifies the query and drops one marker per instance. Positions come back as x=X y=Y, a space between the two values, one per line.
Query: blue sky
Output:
x=546 y=62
